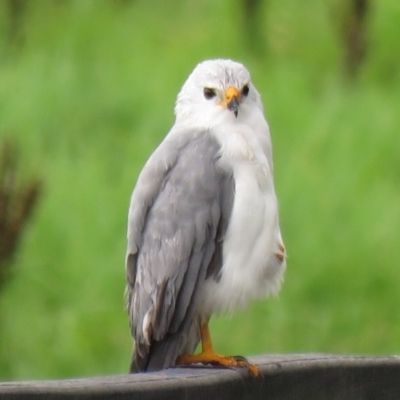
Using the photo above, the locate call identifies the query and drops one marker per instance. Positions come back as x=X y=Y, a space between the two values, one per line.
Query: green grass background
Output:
x=91 y=93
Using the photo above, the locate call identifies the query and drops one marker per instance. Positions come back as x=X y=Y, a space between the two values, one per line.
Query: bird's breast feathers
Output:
x=250 y=267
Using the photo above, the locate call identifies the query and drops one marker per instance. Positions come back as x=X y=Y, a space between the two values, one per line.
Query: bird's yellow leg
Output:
x=208 y=355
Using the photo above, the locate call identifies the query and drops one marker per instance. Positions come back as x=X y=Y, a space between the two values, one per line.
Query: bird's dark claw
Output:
x=241 y=359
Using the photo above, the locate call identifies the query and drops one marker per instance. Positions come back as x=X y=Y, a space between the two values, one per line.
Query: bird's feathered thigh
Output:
x=178 y=217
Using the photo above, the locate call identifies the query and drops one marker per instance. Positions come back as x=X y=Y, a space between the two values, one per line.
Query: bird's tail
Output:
x=133 y=369
x=160 y=355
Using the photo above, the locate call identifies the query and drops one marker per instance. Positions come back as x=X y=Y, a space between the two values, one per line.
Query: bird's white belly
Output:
x=250 y=267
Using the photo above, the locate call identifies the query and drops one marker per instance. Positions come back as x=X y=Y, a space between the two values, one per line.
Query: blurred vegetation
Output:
x=353 y=19
x=88 y=88
x=17 y=203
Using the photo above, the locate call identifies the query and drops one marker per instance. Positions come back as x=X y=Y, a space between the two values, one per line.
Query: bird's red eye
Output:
x=245 y=90
x=209 y=93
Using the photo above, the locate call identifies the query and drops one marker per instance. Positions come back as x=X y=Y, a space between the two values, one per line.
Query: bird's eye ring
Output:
x=209 y=93
x=245 y=90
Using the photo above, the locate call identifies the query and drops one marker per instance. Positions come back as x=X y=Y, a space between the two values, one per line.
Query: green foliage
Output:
x=88 y=96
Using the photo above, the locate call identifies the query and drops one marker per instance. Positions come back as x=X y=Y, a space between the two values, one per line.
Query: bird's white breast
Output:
x=250 y=267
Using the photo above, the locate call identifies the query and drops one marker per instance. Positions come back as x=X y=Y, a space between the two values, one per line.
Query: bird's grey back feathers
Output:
x=178 y=216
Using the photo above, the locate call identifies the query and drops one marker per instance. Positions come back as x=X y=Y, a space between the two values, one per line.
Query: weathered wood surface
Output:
x=284 y=377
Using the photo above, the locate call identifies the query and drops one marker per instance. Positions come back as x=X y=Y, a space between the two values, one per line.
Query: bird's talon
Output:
x=242 y=360
x=215 y=359
x=244 y=363
x=254 y=371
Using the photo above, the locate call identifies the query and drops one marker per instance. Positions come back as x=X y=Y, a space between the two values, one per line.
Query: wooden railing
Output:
x=283 y=377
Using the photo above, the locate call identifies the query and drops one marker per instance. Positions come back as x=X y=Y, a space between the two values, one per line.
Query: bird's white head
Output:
x=217 y=92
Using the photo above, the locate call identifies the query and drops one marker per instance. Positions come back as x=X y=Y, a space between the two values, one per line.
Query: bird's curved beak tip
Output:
x=233 y=105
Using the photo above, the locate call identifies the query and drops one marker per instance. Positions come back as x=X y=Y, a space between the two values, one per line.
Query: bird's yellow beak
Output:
x=231 y=100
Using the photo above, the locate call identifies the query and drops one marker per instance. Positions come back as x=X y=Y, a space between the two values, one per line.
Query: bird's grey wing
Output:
x=178 y=216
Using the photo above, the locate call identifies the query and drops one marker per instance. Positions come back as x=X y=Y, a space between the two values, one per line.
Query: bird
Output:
x=203 y=223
